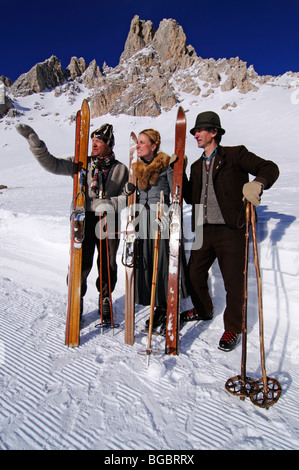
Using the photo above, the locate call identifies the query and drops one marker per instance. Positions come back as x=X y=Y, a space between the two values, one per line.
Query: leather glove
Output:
x=252 y=192
x=29 y=134
x=174 y=158
x=129 y=188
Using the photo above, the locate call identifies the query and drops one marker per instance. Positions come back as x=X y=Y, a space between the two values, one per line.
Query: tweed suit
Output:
x=223 y=240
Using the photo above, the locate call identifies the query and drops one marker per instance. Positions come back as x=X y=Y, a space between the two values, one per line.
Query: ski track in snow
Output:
x=101 y=395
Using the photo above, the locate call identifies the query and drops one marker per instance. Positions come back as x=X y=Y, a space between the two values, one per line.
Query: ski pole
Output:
x=109 y=277
x=101 y=271
x=269 y=389
x=149 y=350
x=241 y=385
x=100 y=196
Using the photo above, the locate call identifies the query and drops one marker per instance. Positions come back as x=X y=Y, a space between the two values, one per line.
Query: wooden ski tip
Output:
x=85 y=108
x=181 y=113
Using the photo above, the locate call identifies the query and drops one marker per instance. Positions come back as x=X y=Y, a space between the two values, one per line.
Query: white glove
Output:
x=29 y=134
x=252 y=192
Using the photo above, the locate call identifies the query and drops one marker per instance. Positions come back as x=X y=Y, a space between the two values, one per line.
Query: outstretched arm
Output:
x=58 y=166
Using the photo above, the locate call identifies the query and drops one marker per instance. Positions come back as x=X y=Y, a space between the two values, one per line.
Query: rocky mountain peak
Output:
x=155 y=68
x=169 y=41
x=75 y=68
x=141 y=33
x=48 y=74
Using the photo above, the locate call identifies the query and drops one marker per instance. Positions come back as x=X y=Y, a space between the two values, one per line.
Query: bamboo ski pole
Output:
x=149 y=350
x=101 y=271
x=242 y=385
x=269 y=389
x=113 y=325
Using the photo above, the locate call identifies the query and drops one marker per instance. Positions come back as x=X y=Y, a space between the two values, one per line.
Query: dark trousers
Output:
x=228 y=247
x=91 y=241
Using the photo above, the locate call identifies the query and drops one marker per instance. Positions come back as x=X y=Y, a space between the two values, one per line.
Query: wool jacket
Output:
x=114 y=184
x=152 y=178
x=231 y=170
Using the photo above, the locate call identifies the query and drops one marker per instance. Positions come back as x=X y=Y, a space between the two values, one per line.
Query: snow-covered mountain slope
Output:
x=101 y=395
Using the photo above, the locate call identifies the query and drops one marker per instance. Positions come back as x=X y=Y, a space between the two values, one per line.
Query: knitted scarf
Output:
x=99 y=171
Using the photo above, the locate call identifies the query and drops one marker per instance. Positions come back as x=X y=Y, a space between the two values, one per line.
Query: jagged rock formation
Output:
x=7 y=81
x=155 y=68
x=140 y=35
x=75 y=68
x=44 y=75
x=141 y=84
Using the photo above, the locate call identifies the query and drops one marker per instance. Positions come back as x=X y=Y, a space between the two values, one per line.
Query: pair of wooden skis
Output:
x=72 y=335
x=173 y=297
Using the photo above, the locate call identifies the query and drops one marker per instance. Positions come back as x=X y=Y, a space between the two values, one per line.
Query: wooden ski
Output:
x=128 y=257
x=173 y=295
x=72 y=337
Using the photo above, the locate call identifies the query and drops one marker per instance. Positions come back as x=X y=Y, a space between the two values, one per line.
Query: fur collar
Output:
x=147 y=174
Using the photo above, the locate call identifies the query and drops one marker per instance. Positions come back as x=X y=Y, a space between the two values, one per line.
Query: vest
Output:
x=211 y=210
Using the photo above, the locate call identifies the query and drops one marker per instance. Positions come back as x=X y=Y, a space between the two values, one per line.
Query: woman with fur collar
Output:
x=153 y=175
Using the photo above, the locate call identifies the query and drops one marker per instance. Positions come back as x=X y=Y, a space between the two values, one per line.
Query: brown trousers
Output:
x=228 y=247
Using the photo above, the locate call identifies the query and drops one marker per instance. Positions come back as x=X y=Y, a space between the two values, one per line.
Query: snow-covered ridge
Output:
x=155 y=68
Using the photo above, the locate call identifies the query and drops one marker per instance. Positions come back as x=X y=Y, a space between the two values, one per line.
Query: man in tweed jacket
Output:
x=219 y=182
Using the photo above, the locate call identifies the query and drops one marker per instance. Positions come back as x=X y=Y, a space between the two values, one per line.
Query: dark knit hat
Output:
x=207 y=119
x=105 y=133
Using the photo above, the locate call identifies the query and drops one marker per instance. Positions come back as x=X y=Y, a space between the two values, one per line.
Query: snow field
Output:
x=101 y=395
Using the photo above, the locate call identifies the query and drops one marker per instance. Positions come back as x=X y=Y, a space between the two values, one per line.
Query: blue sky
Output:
x=264 y=33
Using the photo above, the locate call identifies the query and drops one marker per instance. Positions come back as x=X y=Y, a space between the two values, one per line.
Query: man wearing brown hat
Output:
x=106 y=182
x=219 y=182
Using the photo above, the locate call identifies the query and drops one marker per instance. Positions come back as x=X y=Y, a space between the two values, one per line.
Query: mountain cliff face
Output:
x=155 y=68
